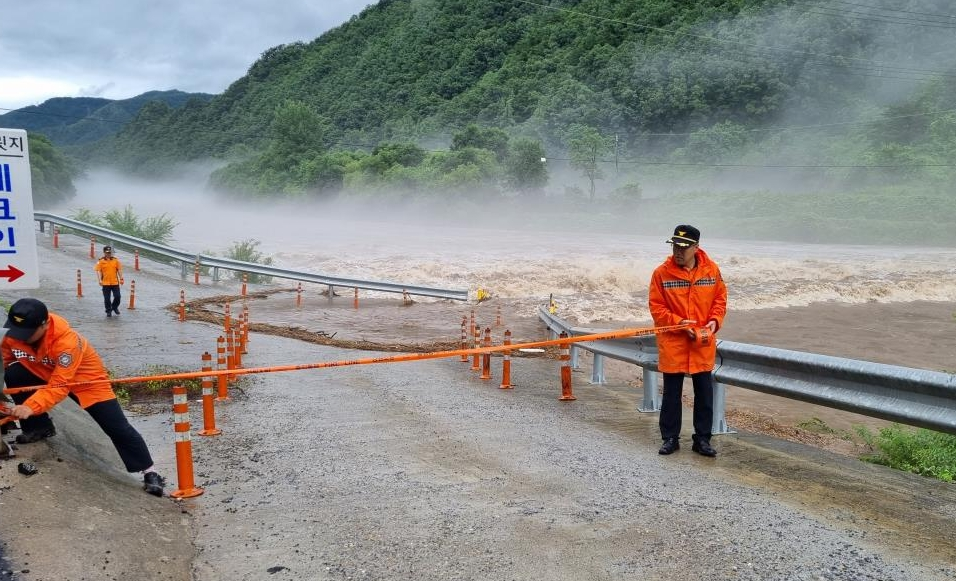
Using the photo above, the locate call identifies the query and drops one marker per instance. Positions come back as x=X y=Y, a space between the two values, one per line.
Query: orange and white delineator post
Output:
x=506 y=364
x=237 y=344
x=476 y=358
x=464 y=337
x=208 y=407
x=566 y=392
x=79 y=283
x=93 y=247
x=245 y=282
x=136 y=259
x=226 y=317
x=486 y=358
x=132 y=296
x=298 y=295
x=245 y=327
x=222 y=381
x=56 y=237
x=498 y=316
x=184 y=446
x=196 y=272
x=230 y=354
x=182 y=305
x=355 y=299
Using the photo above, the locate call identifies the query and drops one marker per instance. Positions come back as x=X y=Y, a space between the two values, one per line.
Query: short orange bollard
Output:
x=196 y=272
x=208 y=407
x=464 y=337
x=298 y=296
x=245 y=326
x=222 y=382
x=184 y=446
x=237 y=345
x=245 y=282
x=498 y=316
x=182 y=306
x=355 y=299
x=136 y=259
x=132 y=296
x=79 y=284
x=230 y=354
x=486 y=357
x=476 y=359
x=93 y=247
x=566 y=392
x=56 y=237
x=506 y=364
x=226 y=318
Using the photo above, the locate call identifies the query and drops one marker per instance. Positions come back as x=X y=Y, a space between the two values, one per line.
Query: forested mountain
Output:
x=626 y=91
x=70 y=121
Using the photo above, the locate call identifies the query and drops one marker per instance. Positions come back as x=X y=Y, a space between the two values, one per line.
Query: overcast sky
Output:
x=120 y=48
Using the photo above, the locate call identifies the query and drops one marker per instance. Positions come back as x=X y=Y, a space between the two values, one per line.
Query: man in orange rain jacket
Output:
x=40 y=348
x=687 y=289
x=110 y=271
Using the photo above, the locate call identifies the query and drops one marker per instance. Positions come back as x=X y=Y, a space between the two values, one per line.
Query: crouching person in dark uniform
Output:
x=40 y=348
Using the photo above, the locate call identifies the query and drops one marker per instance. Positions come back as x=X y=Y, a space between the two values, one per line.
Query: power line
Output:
x=932 y=14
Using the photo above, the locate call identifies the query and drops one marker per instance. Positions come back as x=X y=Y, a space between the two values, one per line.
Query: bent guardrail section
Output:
x=187 y=259
x=916 y=397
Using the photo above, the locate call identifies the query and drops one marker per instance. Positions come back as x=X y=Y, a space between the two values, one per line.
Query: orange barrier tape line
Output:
x=619 y=334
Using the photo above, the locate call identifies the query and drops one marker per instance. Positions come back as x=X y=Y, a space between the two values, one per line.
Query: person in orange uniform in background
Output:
x=40 y=348
x=687 y=289
x=110 y=271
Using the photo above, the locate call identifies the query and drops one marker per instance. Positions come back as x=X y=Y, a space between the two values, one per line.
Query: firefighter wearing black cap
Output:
x=110 y=272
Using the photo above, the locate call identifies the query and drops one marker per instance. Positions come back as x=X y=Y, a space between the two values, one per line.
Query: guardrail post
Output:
x=652 y=401
x=597 y=370
x=79 y=284
x=208 y=407
x=486 y=357
x=505 y=363
x=184 y=447
x=720 y=400
x=567 y=393
x=574 y=357
x=331 y=292
x=132 y=296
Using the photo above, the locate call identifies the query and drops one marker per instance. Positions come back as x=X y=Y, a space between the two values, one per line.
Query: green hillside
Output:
x=70 y=121
x=620 y=99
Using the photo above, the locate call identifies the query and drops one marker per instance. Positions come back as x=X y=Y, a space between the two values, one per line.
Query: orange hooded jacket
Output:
x=62 y=356
x=677 y=294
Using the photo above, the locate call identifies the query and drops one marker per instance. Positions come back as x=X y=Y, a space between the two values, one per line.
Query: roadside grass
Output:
x=158 y=390
x=920 y=451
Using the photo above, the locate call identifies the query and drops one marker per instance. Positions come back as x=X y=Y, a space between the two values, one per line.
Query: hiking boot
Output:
x=153 y=483
x=669 y=446
x=36 y=436
x=116 y=311
x=109 y=313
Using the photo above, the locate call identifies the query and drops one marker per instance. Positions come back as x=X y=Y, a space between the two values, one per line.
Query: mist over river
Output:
x=595 y=277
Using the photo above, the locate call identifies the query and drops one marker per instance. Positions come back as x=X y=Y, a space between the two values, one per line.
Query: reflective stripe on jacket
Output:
x=677 y=294
x=63 y=356
x=110 y=270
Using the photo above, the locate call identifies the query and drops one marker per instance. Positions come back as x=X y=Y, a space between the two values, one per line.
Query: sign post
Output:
x=18 y=251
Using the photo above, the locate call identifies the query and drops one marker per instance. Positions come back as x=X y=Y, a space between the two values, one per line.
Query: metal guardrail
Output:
x=916 y=397
x=188 y=260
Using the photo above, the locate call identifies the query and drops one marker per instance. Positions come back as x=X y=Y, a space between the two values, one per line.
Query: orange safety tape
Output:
x=621 y=333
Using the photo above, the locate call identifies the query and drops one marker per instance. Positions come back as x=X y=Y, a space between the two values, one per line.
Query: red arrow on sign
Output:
x=12 y=273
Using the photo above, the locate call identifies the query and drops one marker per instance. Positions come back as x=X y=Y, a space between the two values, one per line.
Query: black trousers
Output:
x=670 y=417
x=111 y=297
x=107 y=414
